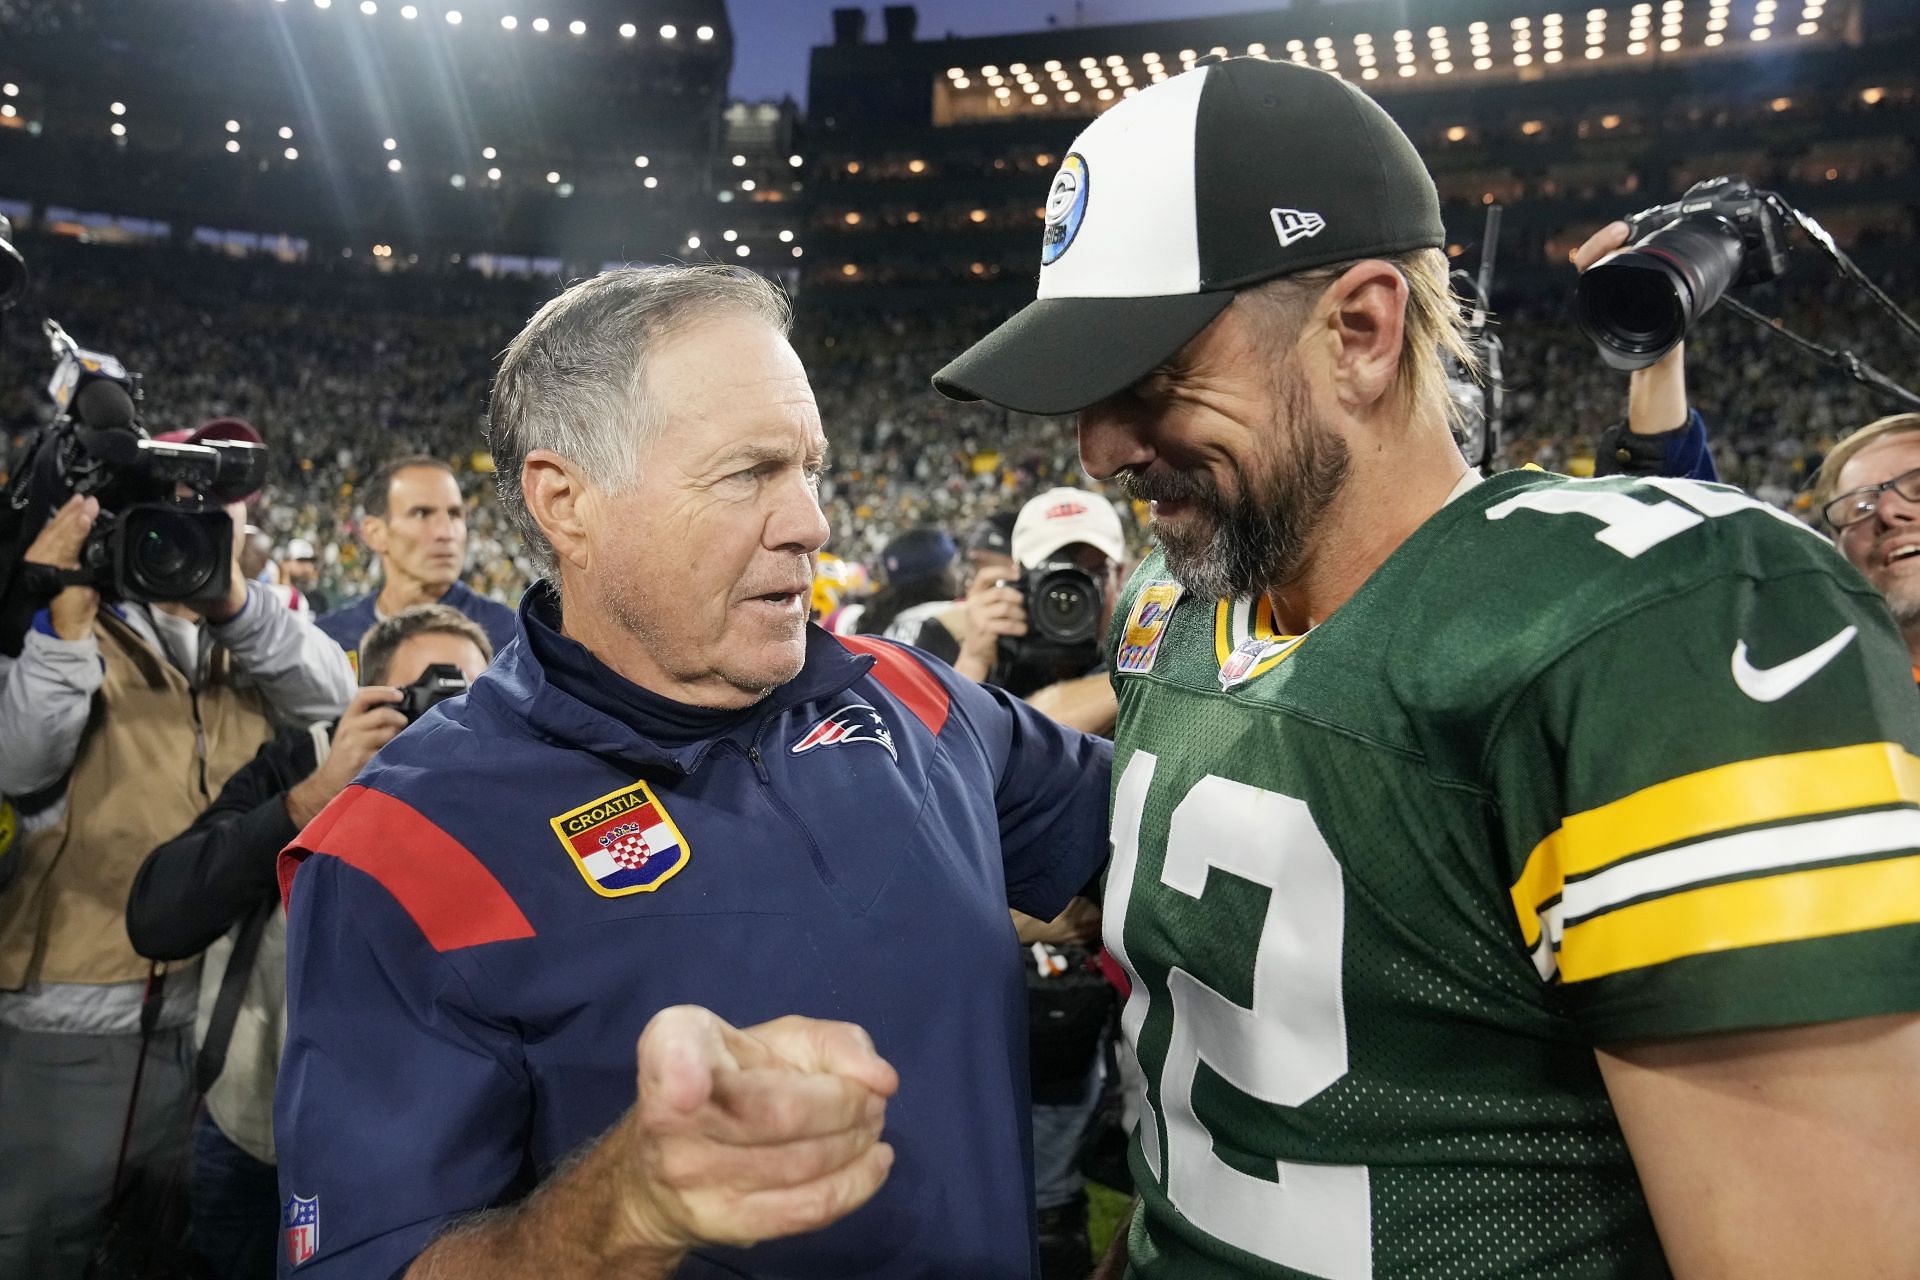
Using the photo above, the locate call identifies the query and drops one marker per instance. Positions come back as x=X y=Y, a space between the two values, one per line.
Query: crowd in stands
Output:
x=341 y=368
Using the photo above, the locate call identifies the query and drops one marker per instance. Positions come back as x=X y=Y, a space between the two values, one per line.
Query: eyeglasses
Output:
x=1851 y=508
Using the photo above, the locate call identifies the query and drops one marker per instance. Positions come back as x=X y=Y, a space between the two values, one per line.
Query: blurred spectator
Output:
x=297 y=570
x=416 y=522
x=118 y=725
x=213 y=888
x=919 y=575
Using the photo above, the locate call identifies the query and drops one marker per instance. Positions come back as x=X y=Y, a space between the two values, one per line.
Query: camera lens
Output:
x=1066 y=607
x=172 y=555
x=1639 y=302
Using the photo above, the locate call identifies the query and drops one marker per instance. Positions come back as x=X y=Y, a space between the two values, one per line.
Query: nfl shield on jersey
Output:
x=300 y=1225
x=1383 y=889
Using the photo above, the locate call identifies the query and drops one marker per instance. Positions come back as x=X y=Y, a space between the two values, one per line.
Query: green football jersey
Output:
x=1583 y=761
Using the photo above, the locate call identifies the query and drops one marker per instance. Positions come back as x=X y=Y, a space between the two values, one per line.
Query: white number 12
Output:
x=1287 y=1049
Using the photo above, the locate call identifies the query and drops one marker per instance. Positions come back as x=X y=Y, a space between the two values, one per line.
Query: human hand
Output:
x=1079 y=923
x=1657 y=394
x=743 y=1135
x=58 y=544
x=993 y=611
x=226 y=607
x=370 y=723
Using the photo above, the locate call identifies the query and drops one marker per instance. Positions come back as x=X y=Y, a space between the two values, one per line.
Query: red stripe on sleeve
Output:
x=905 y=678
x=455 y=901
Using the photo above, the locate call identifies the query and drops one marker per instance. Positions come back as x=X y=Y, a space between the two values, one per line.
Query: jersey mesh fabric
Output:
x=1438 y=730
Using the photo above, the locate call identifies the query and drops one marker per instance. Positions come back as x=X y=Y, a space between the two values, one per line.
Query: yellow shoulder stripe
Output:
x=1746 y=792
x=1746 y=913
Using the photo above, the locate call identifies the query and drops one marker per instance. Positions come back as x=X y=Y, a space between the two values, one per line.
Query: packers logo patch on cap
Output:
x=1066 y=208
x=624 y=842
x=1146 y=627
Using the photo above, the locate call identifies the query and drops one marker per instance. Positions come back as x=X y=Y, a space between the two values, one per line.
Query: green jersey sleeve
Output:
x=1710 y=807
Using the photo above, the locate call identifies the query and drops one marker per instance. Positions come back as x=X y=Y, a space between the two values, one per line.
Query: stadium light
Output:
x=232 y=146
x=1873 y=96
x=393 y=165
x=552 y=176
x=369 y=8
x=651 y=182
x=1039 y=99
x=117 y=108
x=408 y=12
x=703 y=33
x=739 y=161
x=453 y=17
x=796 y=251
x=508 y=22
x=786 y=237
x=693 y=242
x=323 y=4
x=746 y=184
x=729 y=235
x=541 y=25
x=493 y=175
x=291 y=153
x=743 y=251
x=795 y=161
x=458 y=182
x=668 y=31
x=286 y=132
x=577 y=27
x=640 y=162
x=9 y=88
x=1052 y=64
x=117 y=129
x=962 y=83
x=8 y=110
x=628 y=31
x=488 y=153
x=391 y=145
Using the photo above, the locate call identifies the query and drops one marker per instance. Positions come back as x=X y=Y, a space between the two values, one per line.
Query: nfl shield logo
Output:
x=623 y=843
x=301 y=1219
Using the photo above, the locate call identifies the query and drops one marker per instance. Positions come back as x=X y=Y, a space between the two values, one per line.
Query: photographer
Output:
x=213 y=888
x=118 y=725
x=1061 y=524
x=1662 y=435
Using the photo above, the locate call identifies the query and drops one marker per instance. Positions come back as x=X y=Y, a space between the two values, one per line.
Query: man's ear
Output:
x=373 y=532
x=1365 y=310
x=561 y=503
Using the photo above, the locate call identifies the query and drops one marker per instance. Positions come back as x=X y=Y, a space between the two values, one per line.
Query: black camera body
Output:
x=1064 y=604
x=1637 y=303
x=162 y=533
x=436 y=684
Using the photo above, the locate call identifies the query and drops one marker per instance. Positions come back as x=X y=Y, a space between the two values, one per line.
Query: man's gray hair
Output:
x=575 y=379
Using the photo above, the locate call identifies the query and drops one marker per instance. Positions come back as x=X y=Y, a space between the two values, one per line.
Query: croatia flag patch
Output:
x=300 y=1219
x=624 y=842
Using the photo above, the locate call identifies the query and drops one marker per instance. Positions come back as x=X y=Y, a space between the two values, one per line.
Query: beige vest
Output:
x=153 y=755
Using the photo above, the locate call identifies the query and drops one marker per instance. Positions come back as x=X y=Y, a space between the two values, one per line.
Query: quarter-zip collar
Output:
x=569 y=697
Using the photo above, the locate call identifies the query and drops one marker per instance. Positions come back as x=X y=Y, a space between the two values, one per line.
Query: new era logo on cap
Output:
x=1293 y=225
x=1174 y=199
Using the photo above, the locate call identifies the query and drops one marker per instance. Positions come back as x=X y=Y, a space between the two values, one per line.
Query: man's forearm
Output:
x=43 y=711
x=1087 y=704
x=574 y=1227
x=303 y=674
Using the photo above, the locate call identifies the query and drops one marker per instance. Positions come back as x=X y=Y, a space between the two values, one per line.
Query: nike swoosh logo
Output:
x=1774 y=683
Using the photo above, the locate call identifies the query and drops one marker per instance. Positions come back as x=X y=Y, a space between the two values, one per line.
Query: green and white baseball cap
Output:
x=1232 y=173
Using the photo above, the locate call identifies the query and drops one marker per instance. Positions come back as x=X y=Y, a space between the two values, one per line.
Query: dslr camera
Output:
x=436 y=684
x=1638 y=302
x=1063 y=628
x=162 y=533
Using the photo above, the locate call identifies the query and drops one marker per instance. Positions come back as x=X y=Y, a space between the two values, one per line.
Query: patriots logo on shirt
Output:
x=300 y=1218
x=624 y=842
x=854 y=722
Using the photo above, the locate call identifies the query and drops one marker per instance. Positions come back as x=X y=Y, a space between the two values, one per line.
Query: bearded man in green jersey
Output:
x=1518 y=877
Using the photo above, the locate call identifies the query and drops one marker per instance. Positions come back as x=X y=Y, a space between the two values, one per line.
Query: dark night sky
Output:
x=772 y=37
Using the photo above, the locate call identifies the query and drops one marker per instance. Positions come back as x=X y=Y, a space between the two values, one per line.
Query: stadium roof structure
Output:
x=514 y=124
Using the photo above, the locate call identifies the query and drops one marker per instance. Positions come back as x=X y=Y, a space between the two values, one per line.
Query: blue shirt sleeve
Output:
x=1679 y=454
x=398 y=1108
x=1050 y=792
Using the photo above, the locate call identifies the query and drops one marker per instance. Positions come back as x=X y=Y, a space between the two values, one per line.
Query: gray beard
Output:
x=1258 y=538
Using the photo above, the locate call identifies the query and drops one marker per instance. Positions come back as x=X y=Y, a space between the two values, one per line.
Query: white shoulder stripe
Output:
x=1771 y=849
